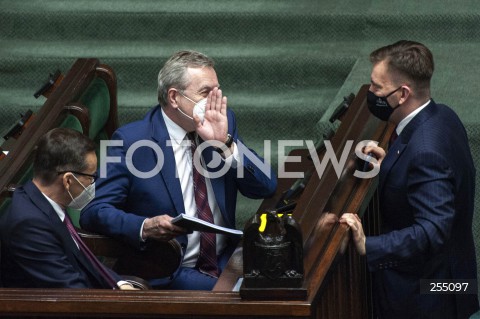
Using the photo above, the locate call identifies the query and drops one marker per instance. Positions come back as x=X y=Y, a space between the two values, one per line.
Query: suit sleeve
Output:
x=39 y=251
x=255 y=178
x=430 y=195
x=105 y=214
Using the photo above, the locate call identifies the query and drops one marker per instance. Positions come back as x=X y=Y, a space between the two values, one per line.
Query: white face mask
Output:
x=198 y=109
x=85 y=197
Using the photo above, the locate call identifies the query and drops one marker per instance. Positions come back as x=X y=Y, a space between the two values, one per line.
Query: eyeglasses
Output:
x=94 y=176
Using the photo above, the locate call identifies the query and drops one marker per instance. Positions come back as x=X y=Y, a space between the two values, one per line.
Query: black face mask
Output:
x=379 y=106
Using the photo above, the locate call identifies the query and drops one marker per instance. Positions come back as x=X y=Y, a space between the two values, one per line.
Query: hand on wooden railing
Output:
x=355 y=223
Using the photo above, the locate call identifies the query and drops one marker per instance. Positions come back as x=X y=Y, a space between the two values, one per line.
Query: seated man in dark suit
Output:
x=155 y=180
x=40 y=248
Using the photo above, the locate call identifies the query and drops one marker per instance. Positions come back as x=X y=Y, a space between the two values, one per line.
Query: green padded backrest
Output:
x=97 y=99
x=72 y=122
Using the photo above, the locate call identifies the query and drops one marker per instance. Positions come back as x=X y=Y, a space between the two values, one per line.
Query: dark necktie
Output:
x=207 y=260
x=102 y=270
x=393 y=137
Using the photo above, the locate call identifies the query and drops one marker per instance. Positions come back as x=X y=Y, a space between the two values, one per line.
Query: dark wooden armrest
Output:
x=101 y=245
x=158 y=259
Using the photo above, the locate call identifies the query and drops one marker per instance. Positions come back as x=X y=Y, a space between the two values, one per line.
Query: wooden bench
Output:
x=336 y=281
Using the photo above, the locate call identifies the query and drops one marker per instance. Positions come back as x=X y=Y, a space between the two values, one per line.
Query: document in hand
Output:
x=196 y=224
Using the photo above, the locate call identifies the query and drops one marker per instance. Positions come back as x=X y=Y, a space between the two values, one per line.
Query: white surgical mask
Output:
x=85 y=197
x=198 y=109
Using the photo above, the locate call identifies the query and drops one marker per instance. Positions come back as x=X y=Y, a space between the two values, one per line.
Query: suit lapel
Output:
x=396 y=150
x=393 y=155
x=72 y=250
x=168 y=172
x=42 y=203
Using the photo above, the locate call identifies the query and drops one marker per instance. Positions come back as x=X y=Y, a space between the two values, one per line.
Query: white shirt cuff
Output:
x=234 y=158
x=141 y=232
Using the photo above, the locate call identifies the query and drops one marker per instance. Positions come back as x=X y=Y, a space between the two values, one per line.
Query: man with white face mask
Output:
x=39 y=246
x=138 y=208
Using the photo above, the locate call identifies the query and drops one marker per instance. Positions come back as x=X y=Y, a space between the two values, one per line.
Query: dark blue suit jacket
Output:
x=123 y=200
x=427 y=188
x=37 y=249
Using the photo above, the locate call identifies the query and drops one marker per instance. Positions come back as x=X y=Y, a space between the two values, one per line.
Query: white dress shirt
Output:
x=183 y=161
x=60 y=212
x=409 y=117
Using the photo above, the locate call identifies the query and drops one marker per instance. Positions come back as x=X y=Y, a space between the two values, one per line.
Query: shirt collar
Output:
x=60 y=212
x=176 y=132
x=409 y=117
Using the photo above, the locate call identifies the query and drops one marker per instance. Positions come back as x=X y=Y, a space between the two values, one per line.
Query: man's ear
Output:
x=406 y=92
x=67 y=180
x=172 y=96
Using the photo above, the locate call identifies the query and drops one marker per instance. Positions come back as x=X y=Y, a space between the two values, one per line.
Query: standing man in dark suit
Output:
x=150 y=177
x=38 y=250
x=426 y=188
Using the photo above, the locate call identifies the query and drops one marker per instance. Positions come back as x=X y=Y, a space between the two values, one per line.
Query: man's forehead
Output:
x=202 y=78
x=380 y=75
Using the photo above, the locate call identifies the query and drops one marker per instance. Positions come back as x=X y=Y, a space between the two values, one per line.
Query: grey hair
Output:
x=173 y=73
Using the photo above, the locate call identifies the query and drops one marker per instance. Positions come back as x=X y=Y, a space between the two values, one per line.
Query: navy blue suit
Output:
x=37 y=249
x=427 y=188
x=123 y=200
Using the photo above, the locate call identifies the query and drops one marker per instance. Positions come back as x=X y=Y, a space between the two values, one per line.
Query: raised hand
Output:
x=215 y=123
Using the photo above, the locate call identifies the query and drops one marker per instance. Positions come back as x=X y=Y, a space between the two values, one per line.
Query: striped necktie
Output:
x=101 y=269
x=207 y=260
